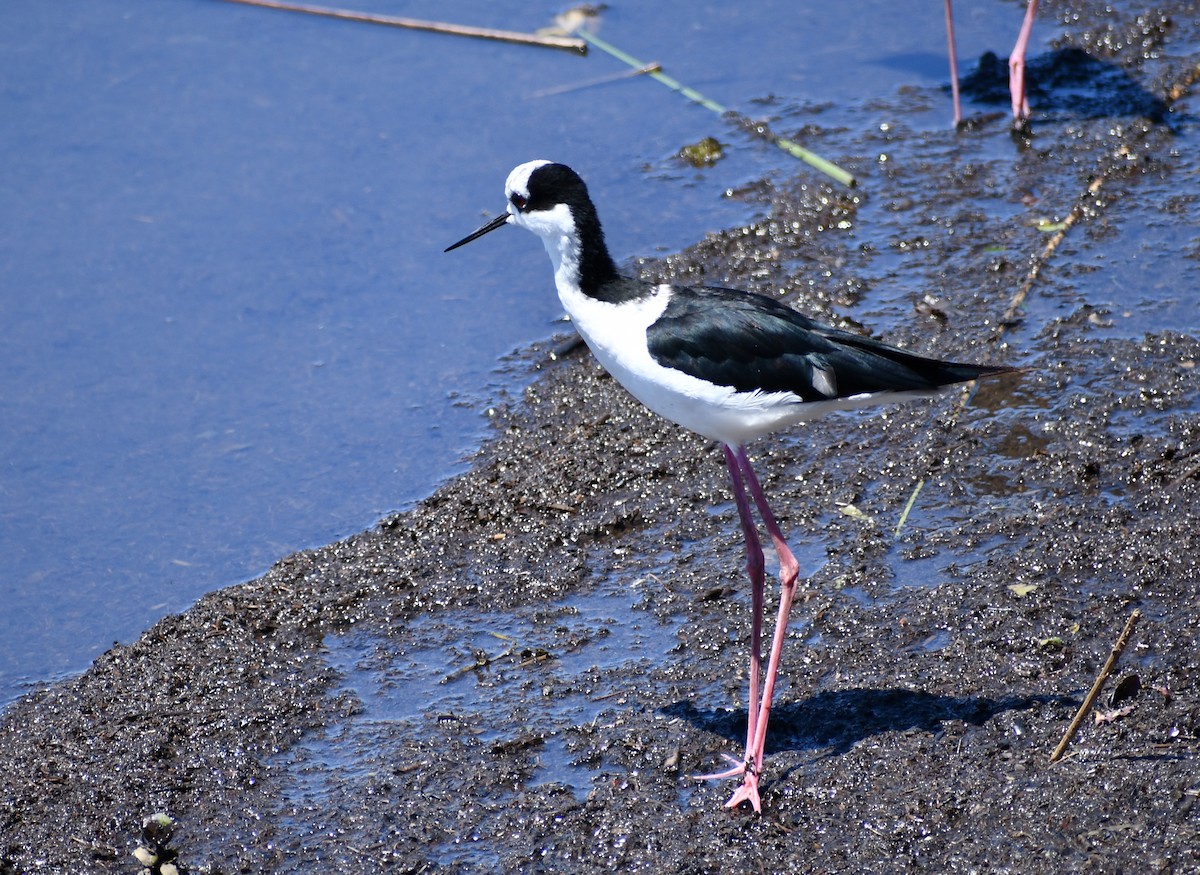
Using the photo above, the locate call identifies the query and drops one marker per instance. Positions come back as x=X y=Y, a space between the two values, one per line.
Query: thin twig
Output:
x=794 y=149
x=508 y=36
x=912 y=499
x=483 y=660
x=1010 y=315
x=1107 y=670
x=652 y=67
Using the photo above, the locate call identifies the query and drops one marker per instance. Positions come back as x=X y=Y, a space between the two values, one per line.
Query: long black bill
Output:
x=490 y=226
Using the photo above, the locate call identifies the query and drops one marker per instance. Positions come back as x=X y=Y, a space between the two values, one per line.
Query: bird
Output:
x=1016 y=67
x=729 y=365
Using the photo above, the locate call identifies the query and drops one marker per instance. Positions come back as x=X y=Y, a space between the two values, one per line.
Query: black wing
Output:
x=749 y=341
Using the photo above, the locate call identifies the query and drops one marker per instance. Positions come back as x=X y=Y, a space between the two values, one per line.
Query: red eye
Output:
x=518 y=201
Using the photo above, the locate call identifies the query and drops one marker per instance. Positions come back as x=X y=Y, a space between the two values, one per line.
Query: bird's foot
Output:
x=749 y=774
x=748 y=792
x=1022 y=131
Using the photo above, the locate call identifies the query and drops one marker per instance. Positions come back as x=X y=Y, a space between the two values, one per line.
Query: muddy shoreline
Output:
x=930 y=672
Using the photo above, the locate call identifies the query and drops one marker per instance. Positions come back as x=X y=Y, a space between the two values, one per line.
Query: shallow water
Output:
x=477 y=681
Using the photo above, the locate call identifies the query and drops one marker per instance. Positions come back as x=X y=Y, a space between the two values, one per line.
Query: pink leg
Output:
x=755 y=569
x=742 y=475
x=1016 y=67
x=789 y=570
x=953 y=63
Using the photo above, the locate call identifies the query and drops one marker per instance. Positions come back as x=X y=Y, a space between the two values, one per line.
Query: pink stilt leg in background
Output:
x=953 y=62
x=1016 y=66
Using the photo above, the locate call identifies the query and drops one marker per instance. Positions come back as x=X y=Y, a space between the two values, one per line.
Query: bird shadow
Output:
x=840 y=719
x=1067 y=82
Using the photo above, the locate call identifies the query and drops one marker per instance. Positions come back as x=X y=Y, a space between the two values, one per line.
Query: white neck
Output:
x=556 y=227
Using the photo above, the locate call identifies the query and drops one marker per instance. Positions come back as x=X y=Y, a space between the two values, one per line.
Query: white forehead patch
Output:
x=518 y=180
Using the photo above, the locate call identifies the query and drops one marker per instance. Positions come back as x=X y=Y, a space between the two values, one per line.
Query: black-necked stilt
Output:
x=727 y=364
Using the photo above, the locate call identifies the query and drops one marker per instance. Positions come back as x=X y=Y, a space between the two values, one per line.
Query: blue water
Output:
x=229 y=331
x=484 y=671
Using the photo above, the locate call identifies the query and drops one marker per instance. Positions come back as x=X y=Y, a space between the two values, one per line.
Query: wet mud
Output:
x=521 y=673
